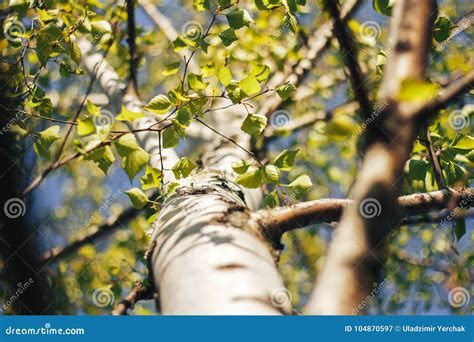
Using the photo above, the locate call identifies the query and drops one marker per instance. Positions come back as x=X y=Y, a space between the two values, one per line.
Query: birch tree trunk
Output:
x=206 y=261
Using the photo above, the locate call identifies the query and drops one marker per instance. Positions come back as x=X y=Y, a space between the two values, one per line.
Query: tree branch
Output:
x=276 y=222
x=132 y=48
x=434 y=159
x=350 y=56
x=355 y=257
x=139 y=292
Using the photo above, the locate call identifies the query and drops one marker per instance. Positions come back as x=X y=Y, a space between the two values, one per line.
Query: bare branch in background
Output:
x=138 y=293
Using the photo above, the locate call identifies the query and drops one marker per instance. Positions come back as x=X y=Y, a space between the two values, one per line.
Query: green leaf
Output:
x=302 y=182
x=224 y=75
x=415 y=91
x=92 y=108
x=184 y=117
x=44 y=140
x=128 y=115
x=464 y=142
x=240 y=167
x=442 y=29
x=239 y=18
x=260 y=71
x=286 y=91
x=134 y=158
x=272 y=200
x=160 y=104
x=228 y=36
x=85 y=126
x=254 y=124
x=271 y=174
x=285 y=160
x=208 y=70
x=201 y=5
x=267 y=4
x=251 y=179
x=417 y=169
x=137 y=197
x=234 y=92
x=250 y=85
x=171 y=69
x=291 y=22
x=195 y=82
x=152 y=178
x=382 y=7
x=224 y=3
x=183 y=168
x=170 y=138
x=102 y=157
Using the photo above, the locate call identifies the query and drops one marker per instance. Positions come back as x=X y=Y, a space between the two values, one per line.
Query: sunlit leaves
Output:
x=286 y=91
x=183 y=168
x=238 y=18
x=442 y=28
x=137 y=197
x=171 y=69
x=228 y=36
x=43 y=141
x=251 y=179
x=152 y=178
x=285 y=160
x=224 y=75
x=382 y=6
x=416 y=91
x=303 y=182
x=103 y=157
x=134 y=158
x=195 y=82
x=201 y=5
x=129 y=115
x=160 y=104
x=254 y=124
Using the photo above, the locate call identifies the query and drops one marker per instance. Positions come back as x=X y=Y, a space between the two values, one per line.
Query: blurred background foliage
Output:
x=425 y=261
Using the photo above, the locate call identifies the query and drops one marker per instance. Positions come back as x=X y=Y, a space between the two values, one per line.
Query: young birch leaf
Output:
x=171 y=69
x=103 y=157
x=170 y=138
x=228 y=36
x=195 y=82
x=272 y=200
x=271 y=174
x=128 y=115
x=286 y=91
x=224 y=75
x=251 y=179
x=85 y=126
x=183 y=168
x=254 y=124
x=92 y=108
x=260 y=71
x=285 y=160
x=201 y=5
x=250 y=85
x=160 y=104
x=137 y=197
x=152 y=178
x=240 y=167
x=302 y=182
x=134 y=158
x=44 y=140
